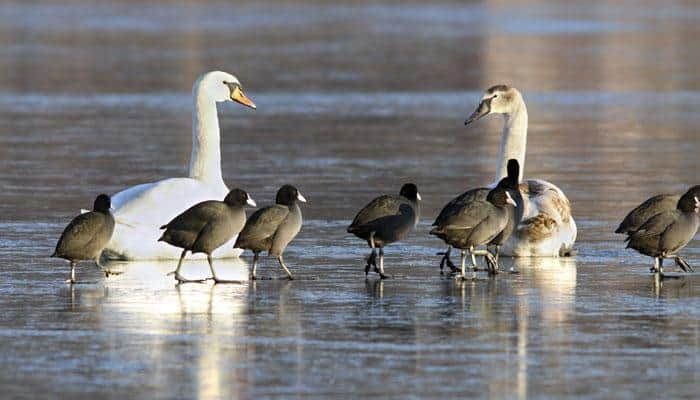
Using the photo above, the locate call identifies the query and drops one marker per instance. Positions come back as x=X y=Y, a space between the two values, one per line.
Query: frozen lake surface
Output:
x=353 y=101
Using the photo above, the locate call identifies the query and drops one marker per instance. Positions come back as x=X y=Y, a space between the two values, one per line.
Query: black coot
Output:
x=386 y=219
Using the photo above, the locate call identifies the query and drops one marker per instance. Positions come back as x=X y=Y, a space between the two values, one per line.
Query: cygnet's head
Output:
x=221 y=86
x=499 y=99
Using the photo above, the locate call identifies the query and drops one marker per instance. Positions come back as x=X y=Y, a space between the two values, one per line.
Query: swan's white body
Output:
x=141 y=210
x=547 y=228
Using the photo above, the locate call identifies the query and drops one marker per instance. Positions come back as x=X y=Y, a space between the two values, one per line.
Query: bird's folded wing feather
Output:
x=382 y=206
x=264 y=222
x=455 y=204
x=469 y=215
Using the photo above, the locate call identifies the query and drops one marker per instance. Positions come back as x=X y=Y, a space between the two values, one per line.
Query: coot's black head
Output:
x=410 y=191
x=500 y=197
x=238 y=198
x=102 y=203
x=511 y=181
x=288 y=195
x=690 y=201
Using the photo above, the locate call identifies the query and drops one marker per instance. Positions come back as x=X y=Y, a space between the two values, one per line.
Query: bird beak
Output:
x=301 y=198
x=238 y=96
x=510 y=200
x=251 y=202
x=697 y=204
x=481 y=111
x=111 y=208
x=418 y=196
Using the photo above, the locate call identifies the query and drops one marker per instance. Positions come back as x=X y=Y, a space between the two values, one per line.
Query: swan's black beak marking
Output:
x=481 y=111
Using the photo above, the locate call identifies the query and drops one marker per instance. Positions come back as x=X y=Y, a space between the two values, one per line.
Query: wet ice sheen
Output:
x=612 y=92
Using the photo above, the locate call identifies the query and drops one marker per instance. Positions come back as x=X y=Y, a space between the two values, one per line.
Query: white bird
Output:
x=547 y=228
x=140 y=210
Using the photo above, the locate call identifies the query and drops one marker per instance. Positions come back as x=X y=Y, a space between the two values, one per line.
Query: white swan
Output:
x=141 y=209
x=547 y=228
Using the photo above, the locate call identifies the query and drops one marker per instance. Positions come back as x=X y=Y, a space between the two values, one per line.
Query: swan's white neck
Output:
x=205 y=161
x=513 y=140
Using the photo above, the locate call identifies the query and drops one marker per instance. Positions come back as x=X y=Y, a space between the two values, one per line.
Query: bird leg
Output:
x=491 y=261
x=372 y=258
x=446 y=261
x=462 y=259
x=255 y=264
x=281 y=261
x=106 y=271
x=179 y=278
x=72 y=273
x=682 y=263
x=658 y=267
x=380 y=271
x=474 y=267
x=213 y=273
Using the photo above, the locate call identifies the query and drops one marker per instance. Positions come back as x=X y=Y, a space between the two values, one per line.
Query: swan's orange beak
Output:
x=238 y=96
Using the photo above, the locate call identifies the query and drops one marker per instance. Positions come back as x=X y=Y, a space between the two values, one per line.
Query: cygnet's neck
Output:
x=205 y=161
x=513 y=140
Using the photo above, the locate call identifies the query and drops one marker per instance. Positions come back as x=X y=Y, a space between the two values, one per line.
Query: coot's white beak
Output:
x=251 y=202
x=510 y=200
x=301 y=198
x=697 y=204
x=418 y=196
x=111 y=207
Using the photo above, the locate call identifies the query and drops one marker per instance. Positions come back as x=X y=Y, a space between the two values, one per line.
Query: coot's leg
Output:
x=474 y=267
x=463 y=260
x=255 y=263
x=446 y=261
x=289 y=274
x=682 y=263
x=491 y=263
x=72 y=273
x=179 y=278
x=372 y=258
x=213 y=273
x=381 y=264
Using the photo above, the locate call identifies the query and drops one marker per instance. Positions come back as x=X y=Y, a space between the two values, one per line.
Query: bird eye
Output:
x=495 y=95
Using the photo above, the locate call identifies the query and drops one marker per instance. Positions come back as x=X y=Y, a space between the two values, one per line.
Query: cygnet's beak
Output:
x=251 y=202
x=510 y=200
x=301 y=198
x=482 y=110
x=418 y=196
x=238 y=96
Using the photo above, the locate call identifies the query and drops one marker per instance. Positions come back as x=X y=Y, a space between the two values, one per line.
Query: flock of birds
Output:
x=511 y=217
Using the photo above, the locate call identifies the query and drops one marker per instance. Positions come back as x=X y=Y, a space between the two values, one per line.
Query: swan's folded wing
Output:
x=264 y=223
x=455 y=204
x=153 y=204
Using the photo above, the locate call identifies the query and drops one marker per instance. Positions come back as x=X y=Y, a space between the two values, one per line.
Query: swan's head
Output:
x=499 y=99
x=222 y=86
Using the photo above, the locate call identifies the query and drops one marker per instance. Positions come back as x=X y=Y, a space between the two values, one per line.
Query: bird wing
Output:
x=655 y=226
x=264 y=222
x=381 y=207
x=468 y=215
x=196 y=217
x=455 y=204
x=645 y=211
x=81 y=230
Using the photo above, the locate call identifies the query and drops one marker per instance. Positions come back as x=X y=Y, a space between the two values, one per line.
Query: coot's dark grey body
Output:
x=86 y=235
x=386 y=219
x=272 y=228
x=515 y=214
x=666 y=233
x=649 y=208
x=476 y=223
x=206 y=226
